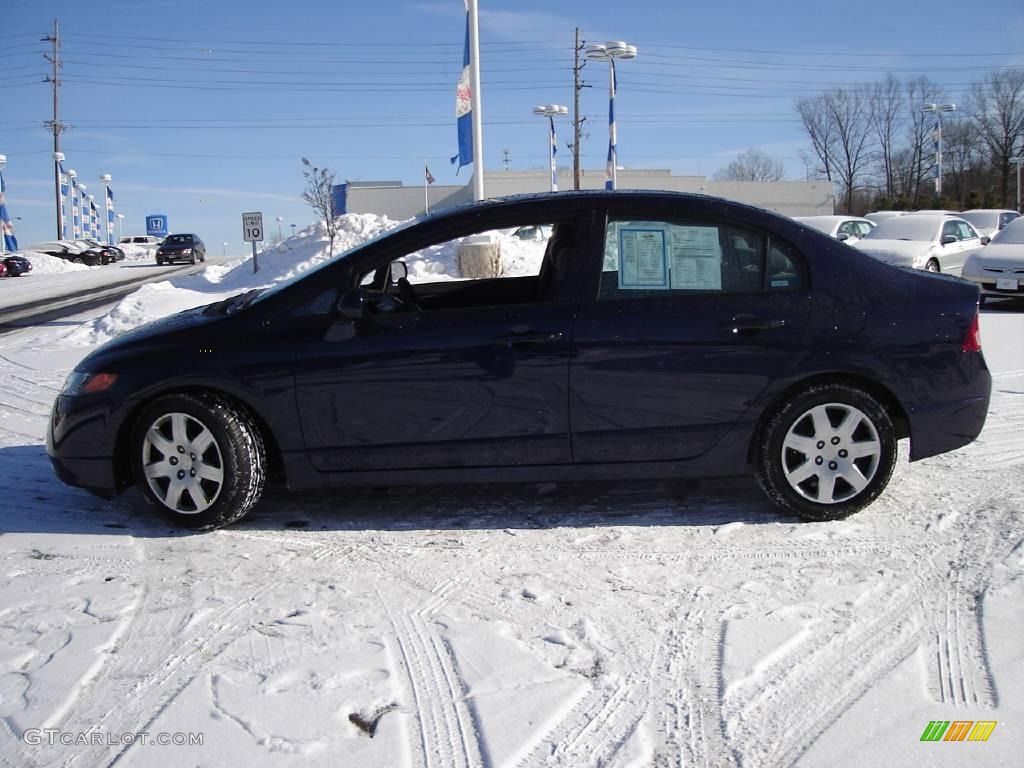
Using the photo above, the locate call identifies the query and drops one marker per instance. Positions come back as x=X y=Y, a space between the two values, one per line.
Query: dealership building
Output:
x=397 y=201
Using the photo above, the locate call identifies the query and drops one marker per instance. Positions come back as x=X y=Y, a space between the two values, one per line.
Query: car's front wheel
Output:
x=826 y=452
x=933 y=265
x=198 y=459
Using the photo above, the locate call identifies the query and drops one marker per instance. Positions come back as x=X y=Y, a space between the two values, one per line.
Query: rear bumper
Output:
x=947 y=426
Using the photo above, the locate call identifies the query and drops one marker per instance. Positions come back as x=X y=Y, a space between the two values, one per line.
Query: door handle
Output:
x=741 y=323
x=524 y=333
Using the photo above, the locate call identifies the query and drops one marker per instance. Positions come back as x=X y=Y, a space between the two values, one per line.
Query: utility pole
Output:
x=577 y=123
x=56 y=125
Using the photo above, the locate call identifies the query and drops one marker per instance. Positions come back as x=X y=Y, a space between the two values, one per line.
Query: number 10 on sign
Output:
x=252 y=232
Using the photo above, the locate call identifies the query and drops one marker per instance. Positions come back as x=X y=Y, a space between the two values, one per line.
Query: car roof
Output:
x=990 y=210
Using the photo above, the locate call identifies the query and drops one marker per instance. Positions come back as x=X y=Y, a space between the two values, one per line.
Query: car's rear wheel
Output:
x=198 y=459
x=826 y=452
x=933 y=265
x=78 y=260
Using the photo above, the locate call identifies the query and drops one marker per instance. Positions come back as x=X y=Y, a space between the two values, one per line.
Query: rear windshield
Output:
x=981 y=219
x=178 y=239
x=905 y=228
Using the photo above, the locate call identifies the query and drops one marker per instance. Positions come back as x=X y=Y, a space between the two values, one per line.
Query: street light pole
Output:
x=3 y=224
x=938 y=109
x=550 y=111
x=610 y=52
x=107 y=207
x=1017 y=161
x=280 y=237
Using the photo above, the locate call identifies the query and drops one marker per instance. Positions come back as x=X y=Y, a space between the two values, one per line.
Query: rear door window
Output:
x=659 y=258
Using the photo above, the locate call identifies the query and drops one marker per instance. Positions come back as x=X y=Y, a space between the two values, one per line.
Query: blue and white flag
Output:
x=76 y=211
x=554 y=156
x=83 y=206
x=613 y=158
x=110 y=216
x=463 y=108
x=64 y=190
x=94 y=220
x=10 y=241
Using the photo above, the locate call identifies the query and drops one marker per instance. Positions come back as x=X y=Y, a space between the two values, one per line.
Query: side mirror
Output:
x=842 y=236
x=985 y=239
x=399 y=270
x=352 y=305
x=947 y=239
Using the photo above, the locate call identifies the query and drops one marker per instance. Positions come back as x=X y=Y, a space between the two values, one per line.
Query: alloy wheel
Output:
x=831 y=453
x=182 y=463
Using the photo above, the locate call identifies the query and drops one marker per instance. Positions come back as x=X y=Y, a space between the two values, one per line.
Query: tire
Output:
x=195 y=258
x=78 y=260
x=234 y=460
x=798 y=436
x=933 y=266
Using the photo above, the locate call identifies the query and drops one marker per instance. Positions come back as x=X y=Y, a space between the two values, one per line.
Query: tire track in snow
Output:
x=446 y=734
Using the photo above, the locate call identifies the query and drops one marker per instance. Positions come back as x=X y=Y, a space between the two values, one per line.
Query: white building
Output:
x=397 y=201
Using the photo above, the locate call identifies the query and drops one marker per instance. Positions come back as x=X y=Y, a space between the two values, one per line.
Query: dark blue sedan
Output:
x=658 y=335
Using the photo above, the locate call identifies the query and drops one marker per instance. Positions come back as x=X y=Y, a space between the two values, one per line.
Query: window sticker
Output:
x=696 y=259
x=643 y=258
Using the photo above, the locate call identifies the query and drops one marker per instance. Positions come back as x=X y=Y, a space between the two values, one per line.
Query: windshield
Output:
x=921 y=228
x=272 y=290
x=981 y=219
x=178 y=240
x=1011 y=234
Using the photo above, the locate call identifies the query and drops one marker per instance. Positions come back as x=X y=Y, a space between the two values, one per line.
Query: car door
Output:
x=968 y=241
x=692 y=318
x=455 y=382
x=848 y=228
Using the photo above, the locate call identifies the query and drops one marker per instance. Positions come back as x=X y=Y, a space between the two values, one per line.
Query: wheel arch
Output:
x=122 y=462
x=881 y=393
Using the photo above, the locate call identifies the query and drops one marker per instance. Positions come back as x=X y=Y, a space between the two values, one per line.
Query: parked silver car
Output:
x=849 y=229
x=998 y=268
x=931 y=241
x=988 y=221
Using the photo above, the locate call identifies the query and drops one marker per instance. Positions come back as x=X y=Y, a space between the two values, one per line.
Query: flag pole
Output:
x=426 y=199
x=477 y=118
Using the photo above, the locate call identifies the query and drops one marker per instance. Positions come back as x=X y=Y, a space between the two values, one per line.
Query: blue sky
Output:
x=202 y=109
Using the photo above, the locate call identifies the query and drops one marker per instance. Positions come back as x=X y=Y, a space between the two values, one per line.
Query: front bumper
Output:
x=80 y=441
x=987 y=283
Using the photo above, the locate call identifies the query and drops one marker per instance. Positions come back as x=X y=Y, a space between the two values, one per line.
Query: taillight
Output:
x=972 y=341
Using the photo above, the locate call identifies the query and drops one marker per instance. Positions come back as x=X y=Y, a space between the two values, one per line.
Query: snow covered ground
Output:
x=600 y=624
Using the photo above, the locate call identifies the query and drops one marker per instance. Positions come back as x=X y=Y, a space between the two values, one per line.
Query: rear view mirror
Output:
x=842 y=236
x=947 y=239
x=985 y=239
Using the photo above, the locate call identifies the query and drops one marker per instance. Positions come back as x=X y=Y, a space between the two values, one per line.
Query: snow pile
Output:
x=290 y=258
x=45 y=264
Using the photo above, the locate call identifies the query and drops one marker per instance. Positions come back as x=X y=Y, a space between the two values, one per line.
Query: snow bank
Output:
x=45 y=264
x=300 y=253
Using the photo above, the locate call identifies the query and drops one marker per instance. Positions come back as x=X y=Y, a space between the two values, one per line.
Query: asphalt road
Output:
x=56 y=307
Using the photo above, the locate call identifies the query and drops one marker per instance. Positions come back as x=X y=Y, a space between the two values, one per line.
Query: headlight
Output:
x=187 y=251
x=920 y=259
x=80 y=382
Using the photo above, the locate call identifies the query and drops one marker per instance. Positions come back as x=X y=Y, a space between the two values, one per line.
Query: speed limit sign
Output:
x=252 y=227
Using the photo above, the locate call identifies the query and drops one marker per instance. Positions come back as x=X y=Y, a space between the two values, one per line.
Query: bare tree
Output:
x=752 y=165
x=885 y=111
x=998 y=111
x=918 y=161
x=847 y=110
x=814 y=117
x=319 y=195
x=961 y=159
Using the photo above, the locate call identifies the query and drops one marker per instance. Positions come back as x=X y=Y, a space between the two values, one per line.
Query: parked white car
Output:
x=849 y=229
x=988 y=221
x=879 y=216
x=145 y=241
x=929 y=241
x=998 y=269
